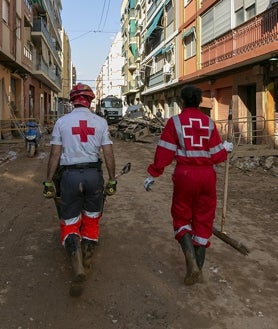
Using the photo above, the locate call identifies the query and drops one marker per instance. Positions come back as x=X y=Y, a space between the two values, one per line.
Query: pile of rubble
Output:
x=138 y=129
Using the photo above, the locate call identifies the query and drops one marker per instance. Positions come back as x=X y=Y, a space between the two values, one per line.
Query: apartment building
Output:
x=227 y=47
x=110 y=79
x=64 y=105
x=15 y=58
x=149 y=30
x=30 y=60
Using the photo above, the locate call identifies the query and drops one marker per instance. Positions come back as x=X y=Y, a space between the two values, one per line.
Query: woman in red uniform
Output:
x=192 y=139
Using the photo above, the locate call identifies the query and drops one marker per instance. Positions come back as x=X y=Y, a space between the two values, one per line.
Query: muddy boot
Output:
x=73 y=248
x=88 y=247
x=200 y=252
x=192 y=271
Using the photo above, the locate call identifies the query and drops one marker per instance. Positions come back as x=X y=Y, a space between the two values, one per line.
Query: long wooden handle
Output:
x=226 y=178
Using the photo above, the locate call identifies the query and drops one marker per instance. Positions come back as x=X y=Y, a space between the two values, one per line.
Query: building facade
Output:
x=110 y=80
x=30 y=60
x=67 y=76
x=228 y=48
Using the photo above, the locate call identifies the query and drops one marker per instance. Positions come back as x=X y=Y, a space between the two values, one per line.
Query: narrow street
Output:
x=137 y=280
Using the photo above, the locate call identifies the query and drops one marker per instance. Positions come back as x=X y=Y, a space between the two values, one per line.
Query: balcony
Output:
x=256 y=38
x=27 y=59
x=28 y=14
x=47 y=75
x=156 y=79
x=39 y=29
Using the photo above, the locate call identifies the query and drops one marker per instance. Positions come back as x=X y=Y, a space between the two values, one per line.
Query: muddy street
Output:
x=137 y=279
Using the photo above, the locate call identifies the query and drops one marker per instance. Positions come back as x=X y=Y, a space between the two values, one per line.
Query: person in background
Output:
x=192 y=139
x=76 y=141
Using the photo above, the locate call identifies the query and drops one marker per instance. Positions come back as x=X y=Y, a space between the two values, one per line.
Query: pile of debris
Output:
x=138 y=125
x=137 y=129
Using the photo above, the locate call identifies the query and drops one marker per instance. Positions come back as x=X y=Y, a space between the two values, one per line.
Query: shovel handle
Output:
x=226 y=178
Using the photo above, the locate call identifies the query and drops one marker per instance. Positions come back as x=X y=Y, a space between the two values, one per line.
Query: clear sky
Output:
x=91 y=26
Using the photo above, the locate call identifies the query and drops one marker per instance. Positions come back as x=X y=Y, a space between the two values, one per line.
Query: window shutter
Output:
x=207 y=27
x=248 y=3
x=222 y=18
x=238 y=4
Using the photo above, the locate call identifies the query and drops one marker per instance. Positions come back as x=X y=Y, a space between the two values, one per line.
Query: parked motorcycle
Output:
x=32 y=138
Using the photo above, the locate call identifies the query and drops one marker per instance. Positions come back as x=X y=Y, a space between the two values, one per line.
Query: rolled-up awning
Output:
x=154 y=25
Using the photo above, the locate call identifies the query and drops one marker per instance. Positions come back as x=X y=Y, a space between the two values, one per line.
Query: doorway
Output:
x=247 y=95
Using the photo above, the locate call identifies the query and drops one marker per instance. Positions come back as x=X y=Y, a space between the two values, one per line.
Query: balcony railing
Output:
x=28 y=5
x=50 y=73
x=256 y=33
x=156 y=79
x=39 y=26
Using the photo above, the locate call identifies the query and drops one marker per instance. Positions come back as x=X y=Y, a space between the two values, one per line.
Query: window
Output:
x=216 y=21
x=250 y=11
x=5 y=11
x=244 y=10
x=239 y=15
x=189 y=42
x=186 y=2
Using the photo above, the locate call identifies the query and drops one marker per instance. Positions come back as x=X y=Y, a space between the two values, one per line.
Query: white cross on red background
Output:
x=195 y=132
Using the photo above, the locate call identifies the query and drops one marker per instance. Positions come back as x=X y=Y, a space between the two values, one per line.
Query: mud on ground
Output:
x=137 y=280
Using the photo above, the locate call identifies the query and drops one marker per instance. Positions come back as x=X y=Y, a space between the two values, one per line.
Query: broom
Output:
x=221 y=234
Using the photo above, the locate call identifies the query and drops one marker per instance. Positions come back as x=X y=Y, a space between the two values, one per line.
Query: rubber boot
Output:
x=73 y=248
x=200 y=252
x=88 y=247
x=192 y=270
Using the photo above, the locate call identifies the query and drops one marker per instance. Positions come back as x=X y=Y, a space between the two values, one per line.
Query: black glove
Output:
x=49 y=190
x=110 y=188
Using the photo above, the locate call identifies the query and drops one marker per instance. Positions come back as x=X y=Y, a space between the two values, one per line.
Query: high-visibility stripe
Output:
x=90 y=214
x=185 y=227
x=179 y=131
x=168 y=146
x=216 y=149
x=192 y=154
x=199 y=240
x=72 y=220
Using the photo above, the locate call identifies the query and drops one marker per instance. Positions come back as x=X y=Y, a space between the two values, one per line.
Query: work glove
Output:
x=228 y=146
x=111 y=187
x=149 y=181
x=49 y=190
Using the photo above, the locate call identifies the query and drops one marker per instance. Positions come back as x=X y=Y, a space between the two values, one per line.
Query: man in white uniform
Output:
x=76 y=141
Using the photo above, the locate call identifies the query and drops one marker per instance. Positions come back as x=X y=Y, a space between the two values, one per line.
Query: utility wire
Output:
x=92 y=31
x=103 y=7
x=108 y=7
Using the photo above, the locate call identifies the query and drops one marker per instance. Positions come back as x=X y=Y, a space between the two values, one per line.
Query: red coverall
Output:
x=193 y=140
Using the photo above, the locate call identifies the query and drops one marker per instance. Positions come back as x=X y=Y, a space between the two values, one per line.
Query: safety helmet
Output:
x=82 y=94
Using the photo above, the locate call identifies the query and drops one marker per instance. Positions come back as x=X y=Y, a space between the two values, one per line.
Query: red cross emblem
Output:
x=195 y=132
x=83 y=130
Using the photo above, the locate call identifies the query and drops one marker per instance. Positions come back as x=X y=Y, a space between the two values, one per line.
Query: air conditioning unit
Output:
x=167 y=69
x=140 y=22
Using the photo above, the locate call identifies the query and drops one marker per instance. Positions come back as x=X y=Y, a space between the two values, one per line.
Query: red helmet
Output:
x=82 y=94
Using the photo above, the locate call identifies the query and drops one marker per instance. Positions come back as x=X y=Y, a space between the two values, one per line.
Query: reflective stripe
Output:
x=199 y=240
x=216 y=149
x=72 y=220
x=92 y=214
x=179 y=131
x=191 y=154
x=185 y=227
x=168 y=146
